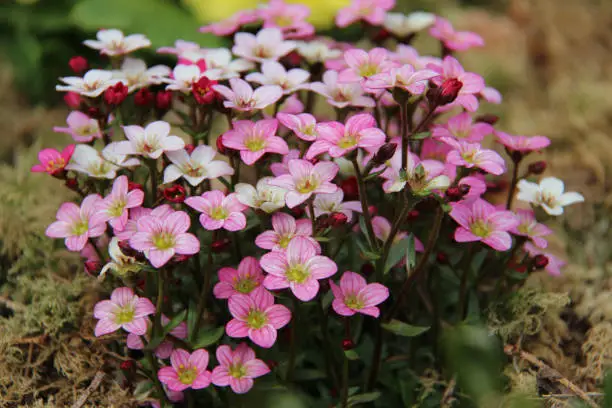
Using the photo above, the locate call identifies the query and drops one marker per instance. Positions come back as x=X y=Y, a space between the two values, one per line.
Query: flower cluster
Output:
x=256 y=209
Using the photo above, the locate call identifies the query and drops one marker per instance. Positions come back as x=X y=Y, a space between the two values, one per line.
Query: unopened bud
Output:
x=72 y=183
x=116 y=94
x=78 y=64
x=297 y=212
x=134 y=186
x=347 y=344
x=537 y=167
x=189 y=148
x=464 y=189
x=163 y=100
x=73 y=100
x=446 y=93
x=143 y=97
x=349 y=188
x=92 y=267
x=540 y=261
x=367 y=268
x=453 y=194
x=412 y=215
x=127 y=365
x=337 y=219
x=220 y=245
x=385 y=153
x=220 y=148
x=442 y=258
x=174 y=194
x=489 y=118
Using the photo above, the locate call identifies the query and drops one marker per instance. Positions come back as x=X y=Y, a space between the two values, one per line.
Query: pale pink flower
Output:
x=491 y=95
x=237 y=368
x=303 y=125
x=160 y=238
x=341 y=95
x=354 y=295
x=219 y=211
x=382 y=230
x=472 y=84
x=477 y=188
x=402 y=25
x=317 y=51
x=338 y=139
x=305 y=179
x=405 y=77
x=462 y=127
x=529 y=227
x=187 y=370
x=372 y=11
x=290 y=18
x=131 y=227
x=114 y=207
x=285 y=228
x=81 y=127
x=554 y=265
x=232 y=24
x=124 y=310
x=263 y=196
x=454 y=40
x=92 y=84
x=333 y=203
x=267 y=44
x=135 y=74
x=257 y=317
x=242 y=97
x=278 y=169
x=549 y=194
x=164 y=350
x=407 y=55
x=522 y=144
x=254 y=139
x=195 y=167
x=364 y=64
x=113 y=42
x=180 y=47
x=78 y=224
x=422 y=176
x=298 y=268
x=243 y=280
x=473 y=155
x=151 y=141
x=53 y=161
x=183 y=77
x=481 y=221
x=221 y=65
x=274 y=73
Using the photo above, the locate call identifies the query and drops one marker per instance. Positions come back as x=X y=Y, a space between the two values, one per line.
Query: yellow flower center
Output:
x=53 y=165
x=80 y=227
x=99 y=169
x=237 y=370
x=163 y=241
x=284 y=241
x=297 y=273
x=255 y=144
x=354 y=302
x=348 y=141
x=117 y=207
x=256 y=319
x=218 y=213
x=187 y=375
x=307 y=186
x=480 y=228
x=548 y=199
x=245 y=285
x=124 y=315
x=367 y=70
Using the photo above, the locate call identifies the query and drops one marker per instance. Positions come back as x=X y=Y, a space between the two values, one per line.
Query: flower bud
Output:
x=324 y=285
x=297 y=212
x=349 y=188
x=385 y=153
x=134 y=186
x=537 y=168
x=347 y=344
x=272 y=364
x=464 y=189
x=446 y=93
x=143 y=97
x=442 y=258
x=72 y=100
x=220 y=148
x=163 y=100
x=72 y=183
x=220 y=245
x=78 y=64
x=380 y=36
x=540 y=261
x=516 y=156
x=367 y=268
x=174 y=194
x=487 y=118
x=127 y=365
x=116 y=94
x=92 y=267
x=180 y=259
x=372 y=210
x=94 y=112
x=453 y=194
x=189 y=148
x=412 y=215
x=202 y=91
x=337 y=219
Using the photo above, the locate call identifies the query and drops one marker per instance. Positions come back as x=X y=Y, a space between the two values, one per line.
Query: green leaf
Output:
x=363 y=398
x=192 y=318
x=351 y=355
x=404 y=329
x=420 y=136
x=369 y=255
x=607 y=389
x=176 y=320
x=398 y=251
x=209 y=337
x=374 y=175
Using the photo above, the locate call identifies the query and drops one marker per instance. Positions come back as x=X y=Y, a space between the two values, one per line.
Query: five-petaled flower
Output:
x=219 y=211
x=52 y=161
x=237 y=368
x=473 y=155
x=124 y=310
x=522 y=144
x=529 y=227
x=454 y=40
x=195 y=167
x=243 y=280
x=92 y=84
x=263 y=196
x=81 y=127
x=371 y=11
x=114 y=43
x=284 y=229
x=254 y=139
x=304 y=125
x=113 y=208
x=151 y=141
x=355 y=295
x=305 y=179
x=187 y=370
x=274 y=73
x=548 y=194
x=267 y=44
x=242 y=97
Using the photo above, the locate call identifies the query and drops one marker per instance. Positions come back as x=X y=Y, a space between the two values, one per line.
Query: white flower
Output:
x=150 y=141
x=121 y=264
x=267 y=44
x=341 y=95
x=273 y=73
x=317 y=51
x=110 y=154
x=265 y=197
x=197 y=167
x=183 y=77
x=113 y=42
x=135 y=74
x=88 y=160
x=220 y=65
x=548 y=194
x=242 y=97
x=332 y=202
x=93 y=84
x=403 y=25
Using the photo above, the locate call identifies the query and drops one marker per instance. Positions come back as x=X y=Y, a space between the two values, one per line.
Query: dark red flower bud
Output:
x=516 y=156
x=202 y=91
x=380 y=36
x=537 y=167
x=190 y=148
x=78 y=64
x=297 y=212
x=116 y=94
x=174 y=194
x=350 y=189
x=520 y=268
x=73 y=100
x=442 y=258
x=134 y=186
x=180 y=258
x=220 y=148
x=220 y=245
x=496 y=186
x=324 y=285
x=489 y=118
x=94 y=112
x=337 y=219
x=72 y=183
x=127 y=365
x=347 y=344
x=163 y=100
x=446 y=93
x=143 y=97
x=141 y=284
x=412 y=215
x=385 y=153
x=293 y=59
x=453 y=193
x=323 y=221
x=272 y=364
x=464 y=189
x=367 y=268
x=93 y=267
x=540 y=261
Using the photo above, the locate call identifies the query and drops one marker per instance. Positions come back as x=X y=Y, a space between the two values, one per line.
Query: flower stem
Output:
x=152 y=164
x=160 y=390
x=463 y=290
x=329 y=363
x=157 y=324
x=404 y=131
x=313 y=219
x=513 y=183
x=364 y=204
x=292 y=345
x=203 y=293
x=345 y=387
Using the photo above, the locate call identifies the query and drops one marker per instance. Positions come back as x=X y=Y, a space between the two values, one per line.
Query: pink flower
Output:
x=305 y=179
x=78 y=224
x=341 y=95
x=382 y=230
x=274 y=73
x=81 y=127
x=529 y=227
x=285 y=228
x=254 y=139
x=160 y=238
x=230 y=25
x=372 y=11
x=354 y=295
x=195 y=167
x=472 y=84
x=422 y=176
x=113 y=208
x=363 y=65
x=278 y=169
x=131 y=227
x=164 y=350
x=219 y=211
x=180 y=47
x=244 y=280
x=298 y=268
x=333 y=203
x=267 y=44
x=52 y=161
x=237 y=368
x=523 y=144
x=554 y=263
x=257 y=317
x=491 y=95
x=473 y=155
x=454 y=40
x=113 y=42
x=338 y=139
x=187 y=371
x=290 y=18
x=124 y=310
x=481 y=221
x=150 y=141
x=462 y=127
x=303 y=125
x=242 y=97
x=477 y=188
x=405 y=77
